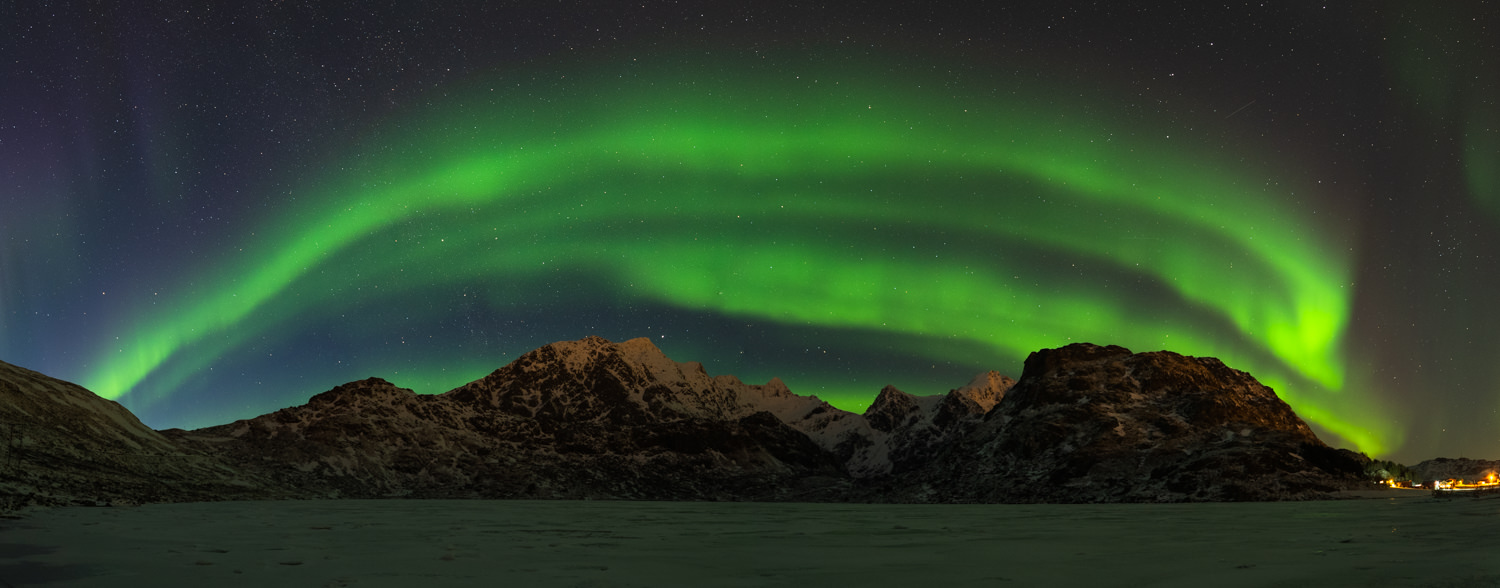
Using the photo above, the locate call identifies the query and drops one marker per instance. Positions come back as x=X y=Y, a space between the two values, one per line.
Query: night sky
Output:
x=212 y=211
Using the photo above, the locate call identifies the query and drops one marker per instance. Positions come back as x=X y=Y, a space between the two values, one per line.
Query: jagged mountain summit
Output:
x=597 y=419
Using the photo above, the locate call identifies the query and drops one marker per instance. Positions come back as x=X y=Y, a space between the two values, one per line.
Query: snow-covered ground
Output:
x=1405 y=539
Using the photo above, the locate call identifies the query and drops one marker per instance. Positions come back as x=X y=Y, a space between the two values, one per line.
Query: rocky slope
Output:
x=596 y=419
x=1462 y=468
x=61 y=444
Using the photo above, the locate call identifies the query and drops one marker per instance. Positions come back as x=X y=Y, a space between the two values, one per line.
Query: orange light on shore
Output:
x=1488 y=482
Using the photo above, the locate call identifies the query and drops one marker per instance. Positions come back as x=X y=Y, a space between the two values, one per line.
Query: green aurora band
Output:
x=1441 y=60
x=848 y=199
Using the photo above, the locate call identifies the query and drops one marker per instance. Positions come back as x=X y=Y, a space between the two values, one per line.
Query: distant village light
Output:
x=1488 y=483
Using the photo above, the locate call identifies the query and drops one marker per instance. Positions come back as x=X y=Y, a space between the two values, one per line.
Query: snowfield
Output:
x=1403 y=538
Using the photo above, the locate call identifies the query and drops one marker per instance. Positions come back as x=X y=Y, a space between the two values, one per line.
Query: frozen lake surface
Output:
x=1407 y=539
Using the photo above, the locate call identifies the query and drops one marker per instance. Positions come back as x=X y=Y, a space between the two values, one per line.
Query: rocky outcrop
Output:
x=1087 y=423
x=595 y=380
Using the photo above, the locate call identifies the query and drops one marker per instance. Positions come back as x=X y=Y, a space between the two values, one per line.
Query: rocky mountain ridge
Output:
x=596 y=419
x=1087 y=423
x=1461 y=468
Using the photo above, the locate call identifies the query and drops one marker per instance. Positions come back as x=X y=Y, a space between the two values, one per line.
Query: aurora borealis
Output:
x=222 y=215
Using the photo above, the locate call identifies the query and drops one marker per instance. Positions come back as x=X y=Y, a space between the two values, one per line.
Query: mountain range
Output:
x=603 y=420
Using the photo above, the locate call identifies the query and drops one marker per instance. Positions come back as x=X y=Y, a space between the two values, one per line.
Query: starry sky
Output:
x=211 y=212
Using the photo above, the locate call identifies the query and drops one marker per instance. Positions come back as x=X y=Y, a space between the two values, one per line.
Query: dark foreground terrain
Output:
x=1405 y=539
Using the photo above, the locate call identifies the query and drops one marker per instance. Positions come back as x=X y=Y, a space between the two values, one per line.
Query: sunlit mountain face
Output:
x=211 y=215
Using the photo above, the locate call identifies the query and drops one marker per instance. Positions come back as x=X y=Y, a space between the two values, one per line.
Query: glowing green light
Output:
x=810 y=205
x=1482 y=155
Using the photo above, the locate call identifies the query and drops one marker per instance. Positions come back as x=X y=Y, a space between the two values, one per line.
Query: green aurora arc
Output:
x=841 y=198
